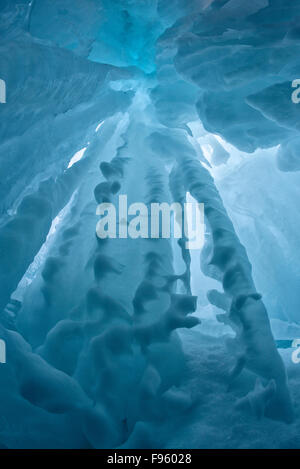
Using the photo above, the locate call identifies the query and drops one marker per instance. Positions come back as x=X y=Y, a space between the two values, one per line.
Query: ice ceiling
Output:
x=155 y=99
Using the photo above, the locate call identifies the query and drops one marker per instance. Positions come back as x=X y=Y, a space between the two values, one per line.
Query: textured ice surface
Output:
x=137 y=343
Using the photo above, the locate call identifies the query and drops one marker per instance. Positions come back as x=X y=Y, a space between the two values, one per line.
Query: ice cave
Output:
x=142 y=342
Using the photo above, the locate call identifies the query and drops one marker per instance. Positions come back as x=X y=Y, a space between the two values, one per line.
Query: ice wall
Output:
x=192 y=97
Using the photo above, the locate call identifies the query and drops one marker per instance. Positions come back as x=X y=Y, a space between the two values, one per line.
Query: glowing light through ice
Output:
x=76 y=157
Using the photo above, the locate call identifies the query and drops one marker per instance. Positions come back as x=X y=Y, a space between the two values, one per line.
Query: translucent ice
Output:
x=122 y=342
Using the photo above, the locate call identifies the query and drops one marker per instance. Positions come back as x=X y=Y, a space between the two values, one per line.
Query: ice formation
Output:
x=142 y=343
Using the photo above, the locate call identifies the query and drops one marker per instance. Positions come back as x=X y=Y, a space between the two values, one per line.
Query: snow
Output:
x=142 y=343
